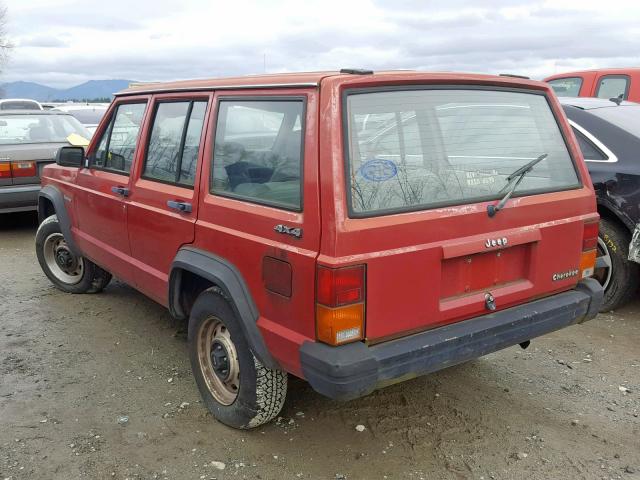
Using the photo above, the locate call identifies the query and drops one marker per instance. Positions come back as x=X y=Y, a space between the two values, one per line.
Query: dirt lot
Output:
x=72 y=366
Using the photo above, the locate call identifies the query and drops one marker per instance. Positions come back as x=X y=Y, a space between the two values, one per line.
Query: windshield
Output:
x=626 y=117
x=418 y=149
x=17 y=129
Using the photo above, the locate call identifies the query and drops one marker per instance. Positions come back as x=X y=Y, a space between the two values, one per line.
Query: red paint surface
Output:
x=591 y=80
x=416 y=275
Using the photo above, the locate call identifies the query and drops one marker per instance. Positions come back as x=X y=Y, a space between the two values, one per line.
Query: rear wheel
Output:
x=69 y=272
x=236 y=388
x=617 y=275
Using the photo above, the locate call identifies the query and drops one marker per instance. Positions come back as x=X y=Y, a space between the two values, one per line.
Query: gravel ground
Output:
x=99 y=386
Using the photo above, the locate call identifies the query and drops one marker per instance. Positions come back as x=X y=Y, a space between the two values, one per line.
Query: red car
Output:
x=623 y=83
x=354 y=229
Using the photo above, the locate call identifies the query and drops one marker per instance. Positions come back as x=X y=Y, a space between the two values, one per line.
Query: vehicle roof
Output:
x=589 y=103
x=611 y=71
x=32 y=112
x=313 y=79
x=19 y=100
x=64 y=108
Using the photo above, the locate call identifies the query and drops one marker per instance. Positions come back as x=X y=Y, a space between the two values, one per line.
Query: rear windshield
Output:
x=17 y=129
x=19 y=105
x=419 y=149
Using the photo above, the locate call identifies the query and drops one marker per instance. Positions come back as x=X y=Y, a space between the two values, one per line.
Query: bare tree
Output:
x=5 y=45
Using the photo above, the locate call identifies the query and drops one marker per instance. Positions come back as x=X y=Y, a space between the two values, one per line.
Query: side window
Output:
x=589 y=150
x=612 y=86
x=258 y=151
x=566 y=87
x=174 y=143
x=118 y=143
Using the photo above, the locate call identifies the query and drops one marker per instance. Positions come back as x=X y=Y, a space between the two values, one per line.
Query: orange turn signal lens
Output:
x=340 y=325
x=5 y=170
x=587 y=263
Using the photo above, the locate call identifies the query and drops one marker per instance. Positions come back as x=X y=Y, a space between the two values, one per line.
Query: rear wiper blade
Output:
x=518 y=175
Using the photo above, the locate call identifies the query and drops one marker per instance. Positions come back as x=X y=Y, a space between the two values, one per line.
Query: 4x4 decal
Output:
x=296 y=232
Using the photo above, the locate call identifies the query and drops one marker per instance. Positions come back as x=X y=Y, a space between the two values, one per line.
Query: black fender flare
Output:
x=227 y=277
x=56 y=198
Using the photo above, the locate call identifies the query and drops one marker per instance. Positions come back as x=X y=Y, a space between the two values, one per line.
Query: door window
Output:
x=258 y=151
x=566 y=87
x=172 y=154
x=118 y=143
x=612 y=86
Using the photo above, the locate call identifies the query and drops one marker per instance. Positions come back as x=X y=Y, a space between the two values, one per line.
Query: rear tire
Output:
x=236 y=388
x=620 y=279
x=68 y=272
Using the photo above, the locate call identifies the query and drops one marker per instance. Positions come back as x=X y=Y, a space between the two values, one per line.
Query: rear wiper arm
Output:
x=518 y=175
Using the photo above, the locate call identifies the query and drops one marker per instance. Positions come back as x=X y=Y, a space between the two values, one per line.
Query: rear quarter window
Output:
x=423 y=148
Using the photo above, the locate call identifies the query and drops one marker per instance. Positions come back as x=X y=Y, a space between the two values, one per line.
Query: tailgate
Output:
x=423 y=166
x=446 y=280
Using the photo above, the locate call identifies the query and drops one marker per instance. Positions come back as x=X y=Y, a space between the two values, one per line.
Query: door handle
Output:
x=180 y=206
x=120 y=191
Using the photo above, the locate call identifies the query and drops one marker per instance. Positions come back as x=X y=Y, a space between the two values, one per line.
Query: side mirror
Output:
x=70 y=157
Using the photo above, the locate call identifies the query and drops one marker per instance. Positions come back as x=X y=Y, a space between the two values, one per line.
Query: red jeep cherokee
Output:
x=349 y=228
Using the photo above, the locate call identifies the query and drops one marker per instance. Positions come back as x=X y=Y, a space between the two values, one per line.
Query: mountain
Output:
x=92 y=89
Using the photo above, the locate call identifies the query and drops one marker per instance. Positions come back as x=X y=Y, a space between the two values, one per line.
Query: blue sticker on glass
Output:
x=378 y=170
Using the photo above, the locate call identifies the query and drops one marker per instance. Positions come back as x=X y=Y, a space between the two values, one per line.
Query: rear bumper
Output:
x=19 y=198
x=354 y=370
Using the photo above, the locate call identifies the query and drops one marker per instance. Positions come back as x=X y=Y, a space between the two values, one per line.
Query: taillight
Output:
x=24 y=169
x=5 y=170
x=340 y=307
x=590 y=236
x=589 y=244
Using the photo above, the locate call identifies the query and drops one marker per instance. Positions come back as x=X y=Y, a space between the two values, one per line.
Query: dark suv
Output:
x=349 y=228
x=608 y=132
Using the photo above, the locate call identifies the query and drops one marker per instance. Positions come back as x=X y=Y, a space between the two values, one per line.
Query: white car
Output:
x=19 y=104
x=88 y=115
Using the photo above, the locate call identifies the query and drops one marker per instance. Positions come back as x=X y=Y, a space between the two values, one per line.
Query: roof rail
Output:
x=513 y=75
x=356 y=71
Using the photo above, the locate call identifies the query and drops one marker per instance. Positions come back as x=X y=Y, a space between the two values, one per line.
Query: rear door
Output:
x=104 y=187
x=419 y=183
x=259 y=206
x=163 y=202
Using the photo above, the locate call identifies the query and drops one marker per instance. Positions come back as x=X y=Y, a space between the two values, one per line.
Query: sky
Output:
x=66 y=42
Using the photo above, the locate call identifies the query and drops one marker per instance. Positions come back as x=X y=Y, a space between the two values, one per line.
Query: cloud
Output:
x=43 y=41
x=74 y=41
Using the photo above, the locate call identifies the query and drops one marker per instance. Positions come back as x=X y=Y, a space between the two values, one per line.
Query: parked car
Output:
x=19 y=104
x=258 y=210
x=88 y=115
x=28 y=141
x=609 y=137
x=623 y=83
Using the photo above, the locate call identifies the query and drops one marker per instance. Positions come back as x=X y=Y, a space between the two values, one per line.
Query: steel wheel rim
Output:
x=603 y=274
x=213 y=335
x=63 y=264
